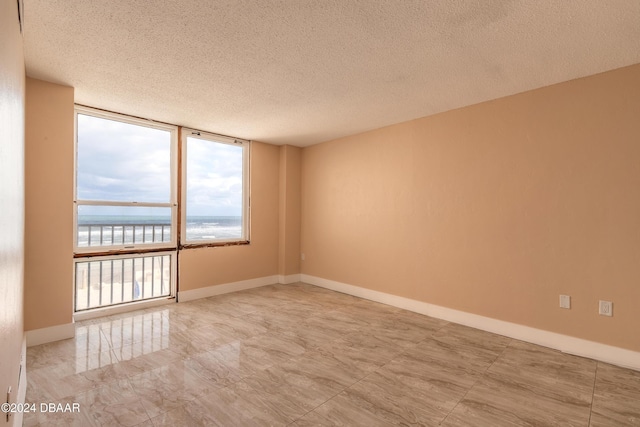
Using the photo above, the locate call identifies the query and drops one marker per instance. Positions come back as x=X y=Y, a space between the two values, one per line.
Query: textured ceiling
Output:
x=305 y=71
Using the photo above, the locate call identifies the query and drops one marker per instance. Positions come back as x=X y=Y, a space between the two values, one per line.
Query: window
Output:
x=126 y=204
x=215 y=189
x=125 y=211
x=112 y=280
x=125 y=194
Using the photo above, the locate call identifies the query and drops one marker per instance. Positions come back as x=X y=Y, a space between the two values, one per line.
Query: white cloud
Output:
x=123 y=162
x=214 y=178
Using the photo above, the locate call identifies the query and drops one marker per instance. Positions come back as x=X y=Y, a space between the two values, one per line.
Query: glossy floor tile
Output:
x=300 y=355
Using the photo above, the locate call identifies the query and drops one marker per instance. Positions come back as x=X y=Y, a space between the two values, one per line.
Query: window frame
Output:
x=172 y=204
x=244 y=239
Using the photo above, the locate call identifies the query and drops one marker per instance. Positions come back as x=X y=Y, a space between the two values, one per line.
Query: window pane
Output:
x=122 y=225
x=106 y=282
x=119 y=161
x=214 y=199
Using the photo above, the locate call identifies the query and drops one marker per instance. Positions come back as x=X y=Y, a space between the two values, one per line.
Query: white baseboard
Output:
x=576 y=346
x=210 y=291
x=286 y=280
x=50 y=334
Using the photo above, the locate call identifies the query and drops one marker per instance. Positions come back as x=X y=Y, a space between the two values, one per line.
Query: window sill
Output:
x=213 y=244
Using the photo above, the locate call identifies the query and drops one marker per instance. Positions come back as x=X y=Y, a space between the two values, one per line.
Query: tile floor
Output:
x=301 y=355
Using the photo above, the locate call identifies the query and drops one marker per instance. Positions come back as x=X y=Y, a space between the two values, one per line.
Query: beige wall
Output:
x=493 y=209
x=289 y=224
x=49 y=205
x=12 y=196
x=219 y=265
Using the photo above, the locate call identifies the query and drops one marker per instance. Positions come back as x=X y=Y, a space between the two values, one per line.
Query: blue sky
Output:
x=123 y=162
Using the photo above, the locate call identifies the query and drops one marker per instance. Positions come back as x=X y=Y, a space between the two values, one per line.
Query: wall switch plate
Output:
x=605 y=308
x=302 y=257
x=565 y=301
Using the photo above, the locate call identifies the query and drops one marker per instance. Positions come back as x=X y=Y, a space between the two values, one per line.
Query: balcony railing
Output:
x=104 y=282
x=122 y=234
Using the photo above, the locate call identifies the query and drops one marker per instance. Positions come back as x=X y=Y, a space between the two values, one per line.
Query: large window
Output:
x=126 y=204
x=215 y=189
x=125 y=183
x=125 y=210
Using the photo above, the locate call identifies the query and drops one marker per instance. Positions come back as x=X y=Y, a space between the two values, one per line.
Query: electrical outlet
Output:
x=302 y=257
x=565 y=301
x=605 y=308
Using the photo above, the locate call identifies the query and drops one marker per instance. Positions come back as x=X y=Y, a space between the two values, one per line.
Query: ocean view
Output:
x=105 y=230
x=214 y=227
